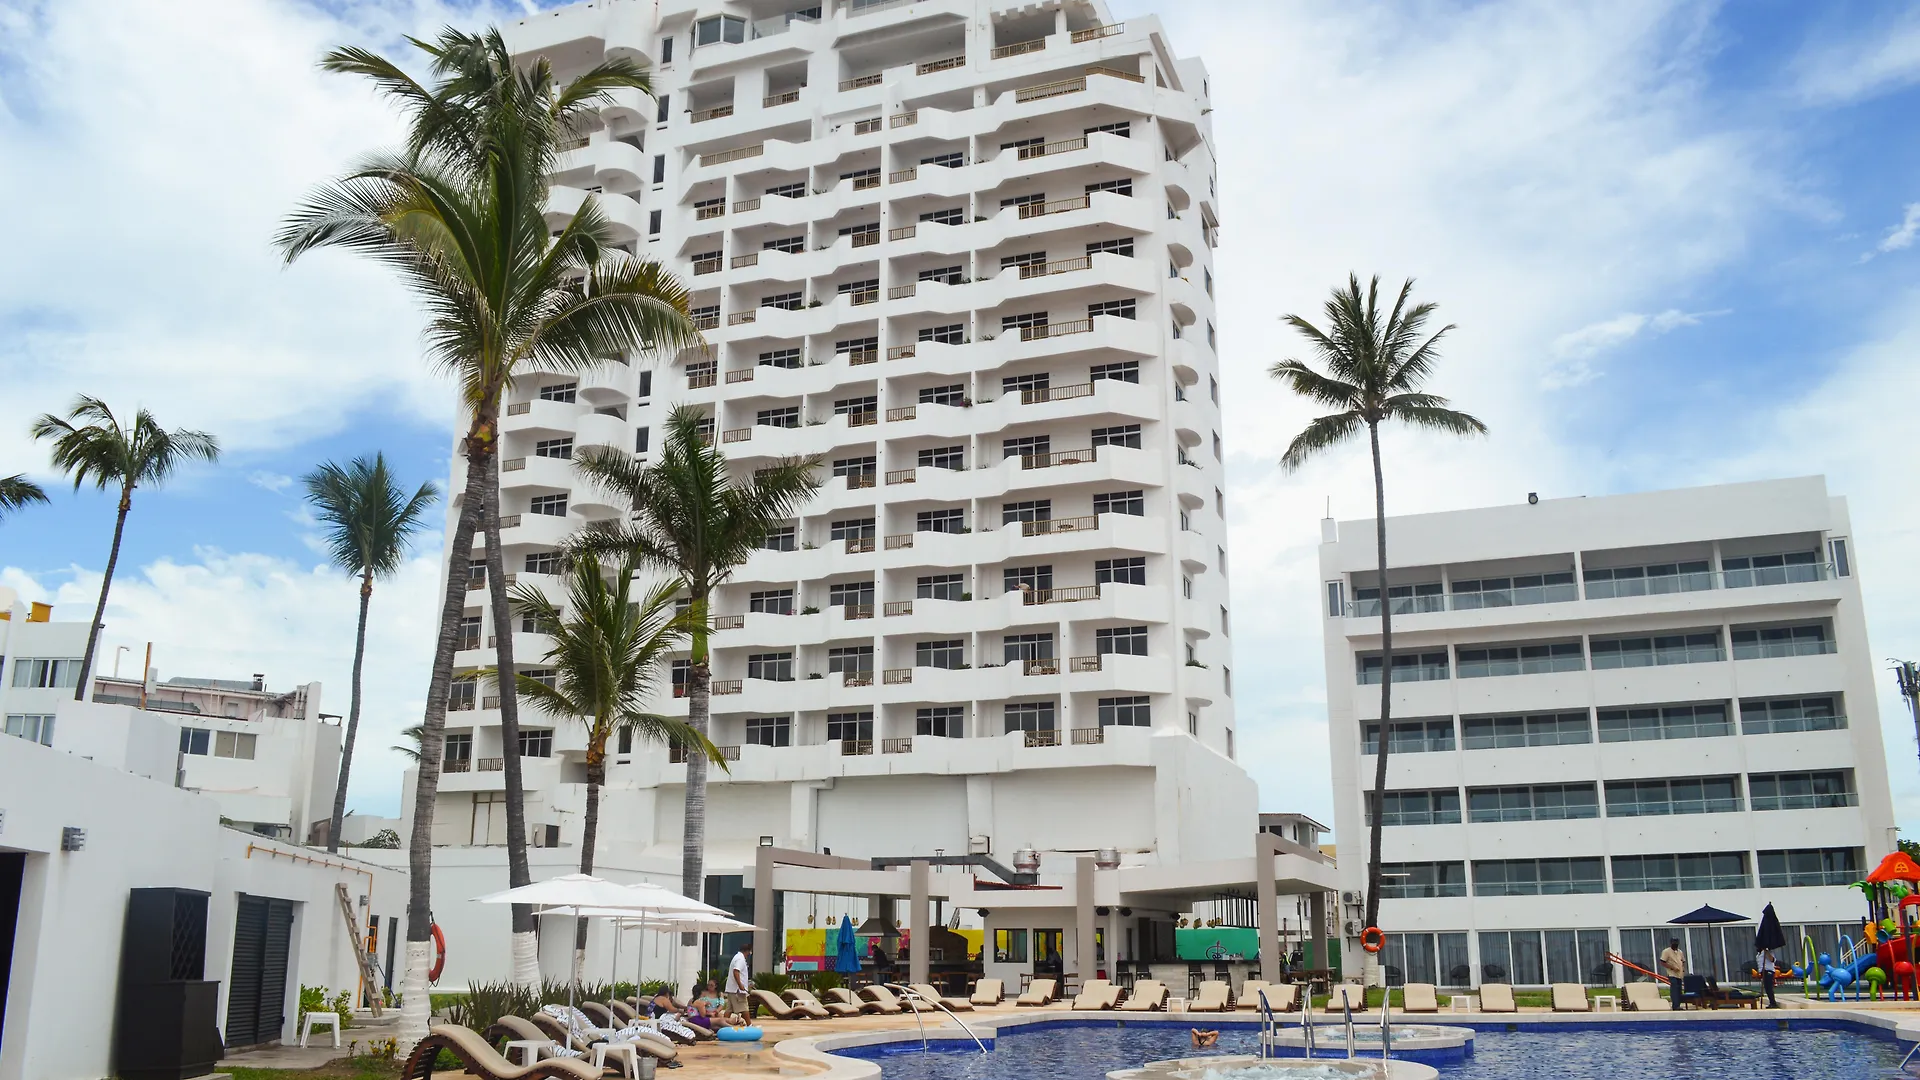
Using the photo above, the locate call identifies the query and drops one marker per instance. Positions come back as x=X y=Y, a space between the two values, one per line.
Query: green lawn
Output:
x=360 y=1068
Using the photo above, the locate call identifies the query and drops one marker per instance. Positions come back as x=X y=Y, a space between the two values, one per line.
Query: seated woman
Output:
x=709 y=1010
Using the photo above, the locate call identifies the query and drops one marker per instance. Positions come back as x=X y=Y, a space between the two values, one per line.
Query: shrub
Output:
x=772 y=982
x=485 y=1003
x=314 y=999
x=822 y=981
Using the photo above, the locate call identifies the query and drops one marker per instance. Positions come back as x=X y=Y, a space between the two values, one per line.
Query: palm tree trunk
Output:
x=106 y=583
x=414 y=1007
x=485 y=457
x=1386 y=699
x=353 y=715
x=590 y=829
x=693 y=846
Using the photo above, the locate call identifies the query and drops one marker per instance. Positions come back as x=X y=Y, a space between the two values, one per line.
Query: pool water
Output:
x=1089 y=1050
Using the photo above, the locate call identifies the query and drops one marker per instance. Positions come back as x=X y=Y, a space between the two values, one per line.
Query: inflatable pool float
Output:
x=738 y=1034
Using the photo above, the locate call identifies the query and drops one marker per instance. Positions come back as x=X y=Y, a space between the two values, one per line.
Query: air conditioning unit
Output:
x=1353 y=897
x=1353 y=927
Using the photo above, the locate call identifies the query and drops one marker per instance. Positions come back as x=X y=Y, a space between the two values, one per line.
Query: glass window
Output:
x=234 y=744
x=776 y=666
x=38 y=728
x=1673 y=795
x=1026 y=510
x=1651 y=722
x=950 y=394
x=1133 y=503
x=770 y=731
x=1407 y=667
x=559 y=391
x=1652 y=580
x=1802 y=790
x=951 y=520
x=1539 y=877
x=536 y=742
x=950 y=654
x=548 y=505
x=1125 y=309
x=1790 y=714
x=1010 y=946
x=1016 y=578
x=851 y=529
x=940 y=587
x=1125 y=712
x=1123 y=640
x=1440 y=806
x=851 y=594
x=1401 y=600
x=1129 y=571
x=1536 y=802
x=782 y=538
x=1773 y=642
x=1520 y=660
x=850 y=727
x=1022 y=648
x=940 y=721
x=943 y=457
x=1680 y=873
x=1410 y=737
x=1119 y=435
x=553 y=448
x=1543 y=729
x=1809 y=867
x=1400 y=881
x=850 y=660
x=1513 y=591
x=46 y=674
x=1788 y=568
x=730 y=29
x=1118 y=187
x=1029 y=716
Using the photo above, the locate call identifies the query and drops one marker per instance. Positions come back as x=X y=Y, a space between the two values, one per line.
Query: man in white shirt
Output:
x=1769 y=971
x=739 y=980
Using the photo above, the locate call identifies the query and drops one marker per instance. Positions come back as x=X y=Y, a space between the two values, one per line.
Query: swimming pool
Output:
x=1088 y=1050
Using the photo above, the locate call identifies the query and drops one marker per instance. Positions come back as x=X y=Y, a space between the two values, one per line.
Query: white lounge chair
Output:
x=1497 y=998
x=954 y=1004
x=988 y=992
x=1213 y=997
x=1038 y=992
x=1419 y=998
x=1148 y=995
x=1098 y=994
x=1570 y=997
x=1347 y=995
x=1642 y=997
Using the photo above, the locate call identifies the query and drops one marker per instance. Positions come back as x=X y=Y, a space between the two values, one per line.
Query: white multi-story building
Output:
x=960 y=251
x=1606 y=712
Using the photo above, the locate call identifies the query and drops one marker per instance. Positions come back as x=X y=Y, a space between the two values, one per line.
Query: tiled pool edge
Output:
x=815 y=1052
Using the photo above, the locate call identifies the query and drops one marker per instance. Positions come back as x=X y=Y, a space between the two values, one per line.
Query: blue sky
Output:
x=1679 y=239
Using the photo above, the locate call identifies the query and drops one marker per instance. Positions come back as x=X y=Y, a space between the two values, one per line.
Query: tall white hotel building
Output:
x=961 y=251
x=1607 y=712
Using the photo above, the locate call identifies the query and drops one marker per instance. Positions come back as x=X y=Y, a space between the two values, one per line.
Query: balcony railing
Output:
x=1049 y=90
x=677 y=754
x=787 y=98
x=1049 y=737
x=736 y=435
x=896 y=541
x=859 y=480
x=899 y=607
x=864 y=418
x=490 y=701
x=458 y=765
x=1018 y=48
x=741 y=375
x=857 y=357
x=706 y=320
x=904 y=412
x=903 y=352
x=1089 y=736
x=856 y=747
x=902 y=476
x=1094 y=32
x=738 y=317
x=866 y=127
x=1117 y=74
x=901 y=292
x=858 y=544
x=725 y=686
x=857 y=611
x=509 y=521
x=729 y=622
x=1054 y=330
x=741 y=206
x=1827 y=800
x=1060 y=146
x=750 y=259
x=461 y=704
x=860 y=81
x=1041 y=394
x=944 y=64
x=1047 y=666
x=1053 y=526
x=856 y=678
x=708 y=213
x=1063 y=457
x=1057 y=206
x=739 y=153
x=898 y=676
x=701 y=381
x=492 y=764
x=707 y=266
x=1080 y=665
x=904 y=232
x=1067 y=595
x=1062 y=266
x=718 y=111
x=904 y=119
x=520 y=408
x=897 y=746
x=572 y=144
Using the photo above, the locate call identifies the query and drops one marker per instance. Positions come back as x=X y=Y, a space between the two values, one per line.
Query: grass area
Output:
x=1521 y=998
x=359 y=1068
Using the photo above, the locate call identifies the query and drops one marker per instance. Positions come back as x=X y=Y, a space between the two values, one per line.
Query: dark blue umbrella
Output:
x=846 y=958
x=1707 y=915
x=1770 y=935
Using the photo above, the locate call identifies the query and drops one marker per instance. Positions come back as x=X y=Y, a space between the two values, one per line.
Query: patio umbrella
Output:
x=1769 y=935
x=690 y=922
x=1708 y=915
x=846 y=958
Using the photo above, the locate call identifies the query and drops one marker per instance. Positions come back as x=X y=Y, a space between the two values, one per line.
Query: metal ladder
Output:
x=368 y=977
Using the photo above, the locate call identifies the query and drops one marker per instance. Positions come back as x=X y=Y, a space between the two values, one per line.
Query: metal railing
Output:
x=859 y=480
x=1085 y=736
x=714 y=113
x=509 y=521
x=456 y=765
x=903 y=352
x=732 y=435
x=943 y=64
x=741 y=206
x=897 y=746
x=725 y=686
x=904 y=412
x=897 y=541
x=1083 y=664
x=1049 y=737
x=858 y=611
x=677 y=754
x=856 y=747
x=865 y=417
x=1117 y=74
x=902 y=476
x=858 y=544
x=1040 y=394
x=520 y=408
x=492 y=764
x=786 y=98
x=1093 y=32
x=1018 y=48
x=740 y=375
x=739 y=317
x=1063 y=457
x=739 y=153
x=729 y=622
x=1063 y=266
x=1061 y=146
x=860 y=81
x=1052 y=526
x=706 y=320
x=1049 y=89
x=1065 y=595
x=1054 y=330
x=1057 y=206
x=1048 y=666
x=866 y=127
x=904 y=232
x=909 y=992
x=899 y=607
x=904 y=119
x=749 y=259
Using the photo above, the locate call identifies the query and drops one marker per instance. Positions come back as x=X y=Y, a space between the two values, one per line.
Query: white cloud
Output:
x=226 y=615
x=1901 y=236
x=275 y=482
x=1876 y=56
x=1575 y=348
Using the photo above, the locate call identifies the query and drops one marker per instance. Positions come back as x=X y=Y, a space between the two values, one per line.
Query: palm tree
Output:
x=691 y=519
x=369 y=525
x=90 y=444
x=18 y=491
x=461 y=216
x=606 y=657
x=1375 y=366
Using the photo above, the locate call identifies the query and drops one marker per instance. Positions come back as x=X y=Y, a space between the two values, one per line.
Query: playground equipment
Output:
x=1887 y=954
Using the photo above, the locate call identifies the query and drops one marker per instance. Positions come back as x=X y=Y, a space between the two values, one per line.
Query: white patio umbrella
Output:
x=686 y=923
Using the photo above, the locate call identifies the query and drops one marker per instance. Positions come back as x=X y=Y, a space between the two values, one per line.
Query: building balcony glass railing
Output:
x=1560 y=588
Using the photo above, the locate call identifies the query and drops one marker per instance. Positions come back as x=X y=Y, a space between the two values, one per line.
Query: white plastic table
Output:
x=1461 y=1003
x=1606 y=1003
x=626 y=1052
x=529 y=1049
x=329 y=1020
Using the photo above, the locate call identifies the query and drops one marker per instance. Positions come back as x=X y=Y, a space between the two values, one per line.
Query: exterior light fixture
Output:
x=766 y=841
x=73 y=838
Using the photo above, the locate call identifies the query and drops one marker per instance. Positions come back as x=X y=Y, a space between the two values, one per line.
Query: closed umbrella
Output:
x=846 y=959
x=1708 y=915
x=1769 y=935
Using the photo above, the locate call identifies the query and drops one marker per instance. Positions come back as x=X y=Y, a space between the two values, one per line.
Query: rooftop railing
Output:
x=1018 y=48
x=947 y=63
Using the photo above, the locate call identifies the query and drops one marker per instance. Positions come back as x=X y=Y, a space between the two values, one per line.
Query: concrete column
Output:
x=1317 y=912
x=1083 y=917
x=763 y=900
x=917 y=921
x=1268 y=918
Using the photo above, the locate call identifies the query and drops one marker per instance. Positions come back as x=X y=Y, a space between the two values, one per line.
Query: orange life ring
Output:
x=1373 y=938
x=439 y=953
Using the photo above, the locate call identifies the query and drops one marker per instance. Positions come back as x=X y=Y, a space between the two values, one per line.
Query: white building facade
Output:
x=1606 y=712
x=960 y=251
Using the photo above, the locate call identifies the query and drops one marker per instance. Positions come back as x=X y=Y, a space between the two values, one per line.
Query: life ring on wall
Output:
x=439 y=953
x=1373 y=938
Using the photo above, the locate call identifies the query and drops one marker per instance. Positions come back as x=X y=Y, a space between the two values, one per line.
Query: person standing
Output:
x=1674 y=963
x=1769 y=970
x=739 y=980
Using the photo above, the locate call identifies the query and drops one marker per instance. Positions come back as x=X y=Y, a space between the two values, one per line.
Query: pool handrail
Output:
x=1386 y=1029
x=1346 y=1006
x=909 y=992
x=1306 y=1019
x=1266 y=1025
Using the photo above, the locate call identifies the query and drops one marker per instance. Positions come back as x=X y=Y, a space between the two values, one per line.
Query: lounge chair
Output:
x=1214 y=996
x=479 y=1058
x=1281 y=997
x=954 y=1004
x=902 y=1004
x=1570 y=997
x=1642 y=997
x=1038 y=992
x=1419 y=998
x=988 y=992
x=600 y=1014
x=1097 y=994
x=1342 y=996
x=580 y=1038
x=1497 y=998
x=784 y=1010
x=1148 y=995
x=623 y=1012
x=801 y=996
x=842 y=996
x=514 y=1029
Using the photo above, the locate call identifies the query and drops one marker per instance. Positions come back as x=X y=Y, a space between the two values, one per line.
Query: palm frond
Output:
x=18 y=491
x=368 y=520
x=1322 y=433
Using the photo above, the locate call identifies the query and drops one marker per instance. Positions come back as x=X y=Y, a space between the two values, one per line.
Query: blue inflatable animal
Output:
x=1836 y=979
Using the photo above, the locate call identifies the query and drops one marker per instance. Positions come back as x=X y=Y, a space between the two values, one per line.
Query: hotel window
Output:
x=1029 y=446
x=1520 y=660
x=46 y=674
x=731 y=29
x=653 y=216
x=1023 y=648
x=1540 y=729
x=554 y=448
x=1802 y=790
x=38 y=728
x=1119 y=435
x=1652 y=580
x=1407 y=667
x=1837 y=555
x=1128 y=571
x=940 y=587
x=1568 y=956
x=664 y=111
x=788 y=417
x=943 y=457
x=771 y=601
x=659 y=168
x=787 y=244
x=1537 y=802
x=1023 y=260
x=1777 y=642
x=955 y=215
x=1217 y=454
x=1117 y=187
x=1336 y=599
x=1026 y=510
x=469 y=632
x=640 y=440
x=1651 y=722
x=679 y=671
x=1401 y=599
x=1538 y=877
x=950 y=394
x=858 y=410
x=782 y=538
x=543 y=562
x=1513 y=591
x=1124 y=712
x=941 y=721
x=1124 y=309
x=948 y=655
x=953 y=159
x=856 y=469
x=1440 y=806
x=1696 y=872
x=1790 y=714
x=1668 y=796
x=195 y=741
x=851 y=594
x=1029 y=716
x=951 y=520
x=951 y=334
x=1402 y=881
x=564 y=392
x=536 y=742
x=234 y=744
x=773 y=666
x=1122 y=640
x=770 y=731
x=794 y=190
x=786 y=301
x=1809 y=867
x=1122 y=246
x=850 y=660
x=1127 y=371
x=851 y=529
x=548 y=505
x=1132 y=503
x=1122 y=128
x=1409 y=737
x=1024 y=384
x=457 y=747
x=462 y=693
x=1657 y=651
x=1014 y=578
x=1789 y=568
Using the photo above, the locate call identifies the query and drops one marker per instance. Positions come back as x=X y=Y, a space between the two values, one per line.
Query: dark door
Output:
x=13 y=867
x=257 y=989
